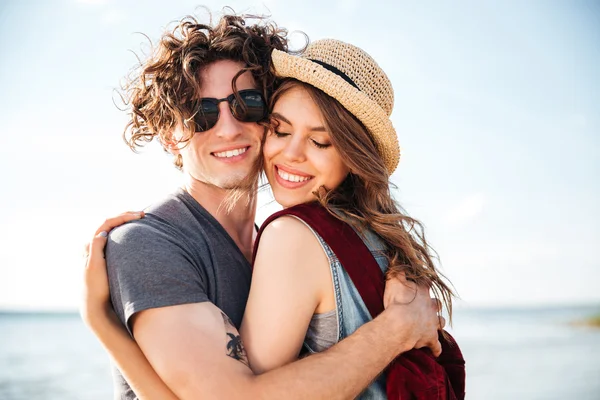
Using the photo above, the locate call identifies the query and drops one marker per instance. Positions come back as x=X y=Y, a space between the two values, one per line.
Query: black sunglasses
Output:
x=252 y=108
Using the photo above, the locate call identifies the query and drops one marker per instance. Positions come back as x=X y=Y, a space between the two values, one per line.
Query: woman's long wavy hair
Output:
x=161 y=92
x=365 y=196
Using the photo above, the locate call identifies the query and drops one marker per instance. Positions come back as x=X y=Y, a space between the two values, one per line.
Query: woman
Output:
x=330 y=140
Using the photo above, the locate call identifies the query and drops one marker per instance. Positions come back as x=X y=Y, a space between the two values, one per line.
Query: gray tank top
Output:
x=322 y=331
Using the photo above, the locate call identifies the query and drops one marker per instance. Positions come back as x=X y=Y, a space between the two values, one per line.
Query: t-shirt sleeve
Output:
x=148 y=268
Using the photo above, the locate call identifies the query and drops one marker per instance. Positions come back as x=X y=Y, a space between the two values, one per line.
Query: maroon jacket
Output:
x=416 y=374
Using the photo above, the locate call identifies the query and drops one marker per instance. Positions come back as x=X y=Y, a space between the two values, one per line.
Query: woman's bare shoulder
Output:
x=290 y=235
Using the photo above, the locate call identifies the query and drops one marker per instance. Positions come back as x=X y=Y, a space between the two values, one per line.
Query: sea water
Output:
x=529 y=354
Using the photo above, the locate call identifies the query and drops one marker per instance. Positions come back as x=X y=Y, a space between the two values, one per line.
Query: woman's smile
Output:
x=291 y=178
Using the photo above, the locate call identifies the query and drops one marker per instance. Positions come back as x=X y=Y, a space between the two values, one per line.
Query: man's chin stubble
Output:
x=238 y=182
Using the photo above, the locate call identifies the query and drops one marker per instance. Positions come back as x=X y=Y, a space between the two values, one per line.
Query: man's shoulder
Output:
x=168 y=217
x=152 y=262
x=133 y=232
x=175 y=208
x=167 y=222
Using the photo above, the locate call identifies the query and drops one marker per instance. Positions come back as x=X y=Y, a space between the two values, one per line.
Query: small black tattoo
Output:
x=235 y=347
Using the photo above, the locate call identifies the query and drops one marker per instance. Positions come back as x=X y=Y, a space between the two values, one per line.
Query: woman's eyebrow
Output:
x=287 y=121
x=281 y=117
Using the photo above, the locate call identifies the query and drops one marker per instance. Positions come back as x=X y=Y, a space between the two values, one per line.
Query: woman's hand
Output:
x=95 y=305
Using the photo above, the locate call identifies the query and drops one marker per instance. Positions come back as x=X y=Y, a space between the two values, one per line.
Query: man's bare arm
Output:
x=187 y=345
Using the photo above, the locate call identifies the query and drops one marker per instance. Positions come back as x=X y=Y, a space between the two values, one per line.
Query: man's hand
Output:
x=417 y=313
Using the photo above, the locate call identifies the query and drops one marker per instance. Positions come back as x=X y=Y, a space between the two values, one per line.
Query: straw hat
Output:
x=352 y=77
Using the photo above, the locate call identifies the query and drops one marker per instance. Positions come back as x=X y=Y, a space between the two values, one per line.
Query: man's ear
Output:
x=174 y=140
x=171 y=145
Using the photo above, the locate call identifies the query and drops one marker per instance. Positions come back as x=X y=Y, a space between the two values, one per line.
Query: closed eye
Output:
x=280 y=134
x=321 y=145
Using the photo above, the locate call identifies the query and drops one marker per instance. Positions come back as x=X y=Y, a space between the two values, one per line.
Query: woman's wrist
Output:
x=97 y=316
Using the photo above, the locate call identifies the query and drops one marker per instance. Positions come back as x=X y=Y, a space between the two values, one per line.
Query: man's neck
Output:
x=238 y=222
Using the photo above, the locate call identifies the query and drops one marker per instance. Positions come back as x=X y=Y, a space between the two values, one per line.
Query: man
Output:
x=180 y=277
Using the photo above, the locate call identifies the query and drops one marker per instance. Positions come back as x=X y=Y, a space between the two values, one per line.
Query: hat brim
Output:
x=373 y=117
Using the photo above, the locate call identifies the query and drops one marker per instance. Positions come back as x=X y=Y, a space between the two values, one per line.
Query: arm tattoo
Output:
x=235 y=347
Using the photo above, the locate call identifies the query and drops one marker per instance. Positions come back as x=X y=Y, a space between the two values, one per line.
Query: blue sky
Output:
x=497 y=110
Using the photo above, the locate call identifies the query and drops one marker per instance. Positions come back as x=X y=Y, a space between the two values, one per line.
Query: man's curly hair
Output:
x=161 y=92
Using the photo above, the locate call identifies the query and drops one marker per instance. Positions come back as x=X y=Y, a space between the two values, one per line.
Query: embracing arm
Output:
x=129 y=359
x=99 y=316
x=197 y=353
x=189 y=346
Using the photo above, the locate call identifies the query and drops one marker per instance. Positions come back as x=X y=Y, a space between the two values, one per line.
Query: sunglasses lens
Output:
x=253 y=109
x=207 y=116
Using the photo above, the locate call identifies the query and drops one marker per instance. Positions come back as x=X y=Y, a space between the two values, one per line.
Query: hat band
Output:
x=335 y=71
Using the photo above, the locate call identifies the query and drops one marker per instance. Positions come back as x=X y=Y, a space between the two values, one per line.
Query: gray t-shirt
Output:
x=177 y=254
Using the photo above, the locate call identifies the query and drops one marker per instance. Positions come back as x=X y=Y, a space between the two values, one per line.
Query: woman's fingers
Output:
x=96 y=294
x=98 y=242
x=95 y=249
x=111 y=223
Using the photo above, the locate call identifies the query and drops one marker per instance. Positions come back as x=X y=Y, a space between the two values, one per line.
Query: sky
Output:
x=497 y=109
